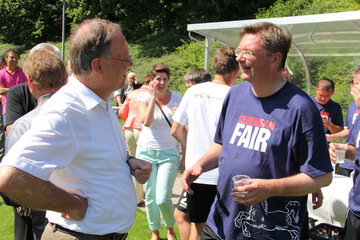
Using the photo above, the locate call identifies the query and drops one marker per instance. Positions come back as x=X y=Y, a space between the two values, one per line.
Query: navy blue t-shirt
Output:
x=268 y=138
x=351 y=115
x=333 y=111
x=354 y=195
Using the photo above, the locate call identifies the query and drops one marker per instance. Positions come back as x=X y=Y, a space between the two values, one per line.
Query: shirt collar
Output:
x=89 y=98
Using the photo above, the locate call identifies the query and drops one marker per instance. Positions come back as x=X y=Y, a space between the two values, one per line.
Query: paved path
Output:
x=176 y=192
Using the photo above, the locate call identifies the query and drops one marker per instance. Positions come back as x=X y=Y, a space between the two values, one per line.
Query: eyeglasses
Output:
x=245 y=53
x=128 y=59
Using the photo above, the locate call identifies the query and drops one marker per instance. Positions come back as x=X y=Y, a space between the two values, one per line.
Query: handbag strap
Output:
x=163 y=114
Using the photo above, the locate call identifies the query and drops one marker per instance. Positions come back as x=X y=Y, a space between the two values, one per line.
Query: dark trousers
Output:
x=29 y=228
x=352 y=227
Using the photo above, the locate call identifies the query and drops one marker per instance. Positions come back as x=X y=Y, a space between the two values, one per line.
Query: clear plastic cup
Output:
x=340 y=155
x=241 y=180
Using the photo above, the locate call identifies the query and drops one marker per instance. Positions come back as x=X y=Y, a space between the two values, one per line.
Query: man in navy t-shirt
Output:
x=353 y=111
x=330 y=110
x=352 y=223
x=269 y=130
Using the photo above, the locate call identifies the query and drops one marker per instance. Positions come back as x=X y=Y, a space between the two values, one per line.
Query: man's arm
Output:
x=206 y=163
x=3 y=90
x=34 y=192
x=338 y=136
x=332 y=127
x=118 y=100
x=179 y=132
x=298 y=185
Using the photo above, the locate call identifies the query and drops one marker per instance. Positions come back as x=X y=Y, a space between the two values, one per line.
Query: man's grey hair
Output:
x=46 y=46
x=91 y=39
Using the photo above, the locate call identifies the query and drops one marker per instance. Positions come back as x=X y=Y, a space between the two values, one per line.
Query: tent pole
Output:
x=307 y=73
x=207 y=49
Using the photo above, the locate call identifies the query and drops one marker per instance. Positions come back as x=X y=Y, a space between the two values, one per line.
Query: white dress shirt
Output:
x=76 y=142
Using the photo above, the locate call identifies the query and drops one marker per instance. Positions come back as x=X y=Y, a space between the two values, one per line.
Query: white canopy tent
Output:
x=332 y=34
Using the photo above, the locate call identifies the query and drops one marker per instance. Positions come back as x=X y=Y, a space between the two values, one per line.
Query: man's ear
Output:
x=30 y=83
x=96 y=65
x=276 y=59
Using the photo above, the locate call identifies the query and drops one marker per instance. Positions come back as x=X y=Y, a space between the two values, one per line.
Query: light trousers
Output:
x=158 y=189
x=131 y=137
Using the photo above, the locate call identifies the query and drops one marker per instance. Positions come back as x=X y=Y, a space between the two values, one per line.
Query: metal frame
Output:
x=332 y=34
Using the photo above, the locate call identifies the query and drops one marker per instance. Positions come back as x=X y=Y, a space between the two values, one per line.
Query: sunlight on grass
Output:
x=139 y=231
x=7 y=222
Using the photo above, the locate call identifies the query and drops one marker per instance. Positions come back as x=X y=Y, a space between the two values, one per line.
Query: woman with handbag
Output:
x=157 y=146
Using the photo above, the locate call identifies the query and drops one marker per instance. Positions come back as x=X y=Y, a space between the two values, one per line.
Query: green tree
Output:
x=283 y=8
x=338 y=69
x=28 y=22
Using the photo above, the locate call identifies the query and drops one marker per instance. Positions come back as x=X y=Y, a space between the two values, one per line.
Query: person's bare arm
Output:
x=338 y=136
x=297 y=185
x=118 y=100
x=146 y=111
x=8 y=128
x=179 y=132
x=332 y=127
x=3 y=90
x=34 y=192
x=206 y=163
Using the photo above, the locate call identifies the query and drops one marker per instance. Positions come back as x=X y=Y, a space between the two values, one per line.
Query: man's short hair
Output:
x=274 y=38
x=45 y=69
x=356 y=70
x=225 y=60
x=326 y=84
x=198 y=75
x=13 y=50
x=47 y=46
x=91 y=39
x=159 y=67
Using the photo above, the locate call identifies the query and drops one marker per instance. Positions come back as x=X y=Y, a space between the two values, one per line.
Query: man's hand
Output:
x=140 y=169
x=334 y=146
x=79 y=211
x=189 y=176
x=317 y=199
x=326 y=121
x=256 y=192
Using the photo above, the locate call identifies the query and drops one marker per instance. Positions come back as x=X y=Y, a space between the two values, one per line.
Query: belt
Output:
x=113 y=236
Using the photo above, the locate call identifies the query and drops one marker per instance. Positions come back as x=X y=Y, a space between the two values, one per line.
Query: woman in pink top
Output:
x=132 y=126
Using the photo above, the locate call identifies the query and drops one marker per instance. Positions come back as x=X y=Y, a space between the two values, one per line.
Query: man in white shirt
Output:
x=200 y=110
x=73 y=162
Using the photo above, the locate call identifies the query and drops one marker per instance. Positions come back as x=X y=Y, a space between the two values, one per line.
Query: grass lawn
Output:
x=6 y=222
x=139 y=231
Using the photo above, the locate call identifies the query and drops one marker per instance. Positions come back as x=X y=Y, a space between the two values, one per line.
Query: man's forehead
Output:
x=251 y=40
x=323 y=92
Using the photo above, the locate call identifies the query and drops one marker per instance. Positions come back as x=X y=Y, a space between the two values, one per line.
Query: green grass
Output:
x=139 y=231
x=6 y=222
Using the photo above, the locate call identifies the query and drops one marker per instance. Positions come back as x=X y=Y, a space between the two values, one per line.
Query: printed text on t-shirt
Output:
x=252 y=133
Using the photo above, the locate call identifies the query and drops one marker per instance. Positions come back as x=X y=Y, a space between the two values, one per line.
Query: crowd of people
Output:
x=70 y=173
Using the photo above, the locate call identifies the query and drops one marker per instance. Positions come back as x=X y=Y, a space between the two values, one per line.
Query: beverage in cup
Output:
x=241 y=180
x=340 y=155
